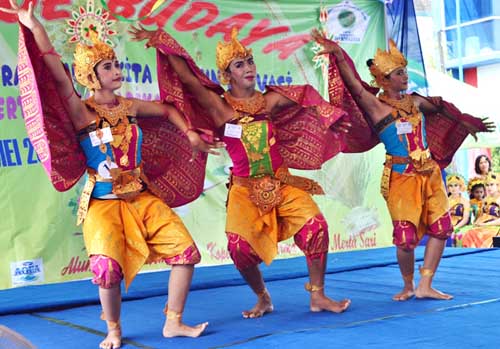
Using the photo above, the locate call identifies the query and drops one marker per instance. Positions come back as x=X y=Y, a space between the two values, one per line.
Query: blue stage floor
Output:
x=67 y=315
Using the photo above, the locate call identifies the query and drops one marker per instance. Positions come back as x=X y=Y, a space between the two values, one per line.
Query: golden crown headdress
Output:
x=227 y=51
x=473 y=182
x=87 y=57
x=456 y=179
x=385 y=62
x=492 y=178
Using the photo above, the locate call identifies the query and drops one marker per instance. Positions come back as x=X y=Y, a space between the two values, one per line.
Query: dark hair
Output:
x=369 y=62
x=478 y=159
x=474 y=187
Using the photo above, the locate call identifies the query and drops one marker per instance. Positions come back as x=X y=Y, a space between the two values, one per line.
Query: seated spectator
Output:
x=459 y=205
x=487 y=224
x=477 y=193
x=482 y=166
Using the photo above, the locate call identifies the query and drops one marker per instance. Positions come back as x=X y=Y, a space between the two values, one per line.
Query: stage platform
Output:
x=67 y=315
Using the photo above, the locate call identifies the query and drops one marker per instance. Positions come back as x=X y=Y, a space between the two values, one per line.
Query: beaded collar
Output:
x=249 y=106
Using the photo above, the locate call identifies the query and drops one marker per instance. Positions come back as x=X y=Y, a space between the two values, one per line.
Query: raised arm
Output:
x=375 y=109
x=208 y=99
x=52 y=60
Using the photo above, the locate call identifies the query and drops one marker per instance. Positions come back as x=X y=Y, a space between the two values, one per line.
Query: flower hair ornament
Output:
x=473 y=182
x=90 y=28
x=456 y=179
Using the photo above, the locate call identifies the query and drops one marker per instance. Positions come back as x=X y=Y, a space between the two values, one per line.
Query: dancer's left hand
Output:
x=342 y=126
x=489 y=125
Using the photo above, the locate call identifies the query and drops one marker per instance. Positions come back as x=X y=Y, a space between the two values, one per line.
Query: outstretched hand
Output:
x=489 y=125
x=26 y=17
x=199 y=144
x=139 y=33
x=329 y=46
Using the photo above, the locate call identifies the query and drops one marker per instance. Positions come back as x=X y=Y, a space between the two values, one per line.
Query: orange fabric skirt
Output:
x=135 y=232
x=264 y=231
x=481 y=237
x=419 y=199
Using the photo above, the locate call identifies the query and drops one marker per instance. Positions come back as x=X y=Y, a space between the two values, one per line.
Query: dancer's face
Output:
x=454 y=188
x=478 y=193
x=398 y=79
x=242 y=72
x=109 y=74
x=491 y=188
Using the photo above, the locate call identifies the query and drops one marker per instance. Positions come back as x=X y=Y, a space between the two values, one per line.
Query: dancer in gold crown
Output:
x=411 y=183
x=266 y=204
x=125 y=223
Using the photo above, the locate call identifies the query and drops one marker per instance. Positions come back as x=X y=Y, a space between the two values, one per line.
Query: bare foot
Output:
x=422 y=292
x=113 y=340
x=264 y=305
x=174 y=328
x=404 y=295
x=320 y=302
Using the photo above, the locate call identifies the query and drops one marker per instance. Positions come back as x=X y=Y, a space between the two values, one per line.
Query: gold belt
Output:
x=265 y=191
x=420 y=159
x=127 y=185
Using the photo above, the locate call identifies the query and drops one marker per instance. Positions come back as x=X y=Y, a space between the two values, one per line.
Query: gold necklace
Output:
x=251 y=105
x=115 y=117
x=405 y=107
x=405 y=103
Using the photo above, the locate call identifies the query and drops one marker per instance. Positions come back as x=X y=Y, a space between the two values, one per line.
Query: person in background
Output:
x=477 y=193
x=482 y=166
x=487 y=225
x=459 y=205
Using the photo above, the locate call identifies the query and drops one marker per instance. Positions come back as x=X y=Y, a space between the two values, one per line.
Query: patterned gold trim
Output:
x=85 y=199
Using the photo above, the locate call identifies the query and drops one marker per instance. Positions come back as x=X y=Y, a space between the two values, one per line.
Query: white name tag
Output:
x=233 y=131
x=106 y=137
x=404 y=127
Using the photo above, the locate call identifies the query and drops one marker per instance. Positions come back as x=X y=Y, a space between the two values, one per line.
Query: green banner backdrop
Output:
x=40 y=242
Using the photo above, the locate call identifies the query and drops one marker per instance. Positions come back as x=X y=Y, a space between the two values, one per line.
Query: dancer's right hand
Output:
x=26 y=17
x=329 y=46
x=139 y=33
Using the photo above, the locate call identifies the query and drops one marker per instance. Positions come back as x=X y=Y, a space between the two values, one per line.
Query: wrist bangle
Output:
x=50 y=51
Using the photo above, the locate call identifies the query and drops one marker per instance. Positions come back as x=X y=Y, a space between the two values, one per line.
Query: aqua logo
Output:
x=27 y=272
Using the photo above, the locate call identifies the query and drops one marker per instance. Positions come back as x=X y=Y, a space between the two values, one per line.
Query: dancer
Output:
x=477 y=192
x=411 y=182
x=124 y=224
x=459 y=206
x=265 y=134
